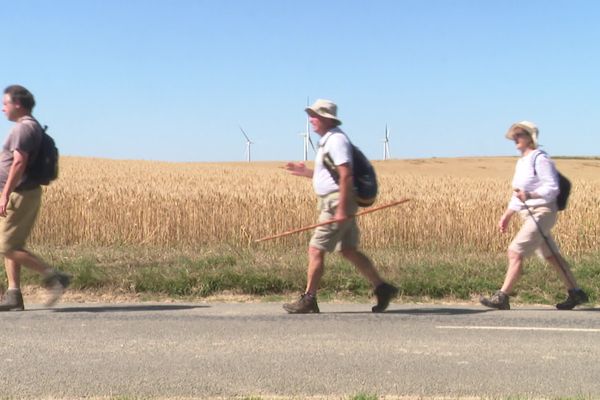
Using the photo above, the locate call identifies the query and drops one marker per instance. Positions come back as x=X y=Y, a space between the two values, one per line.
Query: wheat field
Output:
x=455 y=204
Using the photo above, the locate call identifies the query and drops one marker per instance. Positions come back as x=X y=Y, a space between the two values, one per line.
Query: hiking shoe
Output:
x=384 y=292
x=575 y=298
x=498 y=300
x=56 y=284
x=12 y=301
x=305 y=305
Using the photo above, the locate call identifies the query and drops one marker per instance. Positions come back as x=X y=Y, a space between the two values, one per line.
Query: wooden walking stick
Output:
x=331 y=221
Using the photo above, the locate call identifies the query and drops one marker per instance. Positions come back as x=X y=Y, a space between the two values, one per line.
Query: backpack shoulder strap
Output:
x=44 y=128
x=535 y=156
x=334 y=133
x=328 y=161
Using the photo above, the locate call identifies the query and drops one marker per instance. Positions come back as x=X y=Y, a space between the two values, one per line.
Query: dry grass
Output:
x=455 y=204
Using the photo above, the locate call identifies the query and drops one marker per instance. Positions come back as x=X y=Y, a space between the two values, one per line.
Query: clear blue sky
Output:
x=173 y=80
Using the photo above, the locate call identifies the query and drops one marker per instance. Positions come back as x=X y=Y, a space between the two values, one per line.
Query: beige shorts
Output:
x=336 y=236
x=529 y=239
x=21 y=212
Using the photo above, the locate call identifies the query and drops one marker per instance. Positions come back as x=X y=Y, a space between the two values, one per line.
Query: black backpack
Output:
x=564 y=186
x=44 y=167
x=363 y=175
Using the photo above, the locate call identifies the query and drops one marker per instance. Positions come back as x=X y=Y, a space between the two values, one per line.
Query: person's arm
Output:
x=346 y=186
x=14 y=176
x=299 y=169
x=505 y=219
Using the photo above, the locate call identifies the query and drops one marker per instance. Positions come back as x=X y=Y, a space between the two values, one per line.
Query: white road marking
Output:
x=519 y=328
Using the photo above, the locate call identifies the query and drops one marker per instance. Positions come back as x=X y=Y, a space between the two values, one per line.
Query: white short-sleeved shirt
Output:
x=336 y=143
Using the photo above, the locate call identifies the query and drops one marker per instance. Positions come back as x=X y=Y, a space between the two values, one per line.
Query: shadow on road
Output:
x=553 y=309
x=423 y=311
x=134 y=307
x=440 y=311
x=465 y=311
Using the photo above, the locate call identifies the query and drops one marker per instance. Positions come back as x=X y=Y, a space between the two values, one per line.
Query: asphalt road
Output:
x=172 y=350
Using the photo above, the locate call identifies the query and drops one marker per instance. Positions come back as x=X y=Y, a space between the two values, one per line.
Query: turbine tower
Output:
x=248 y=143
x=306 y=136
x=386 y=144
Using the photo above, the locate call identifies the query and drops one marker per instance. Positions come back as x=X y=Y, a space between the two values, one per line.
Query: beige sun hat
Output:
x=324 y=108
x=529 y=127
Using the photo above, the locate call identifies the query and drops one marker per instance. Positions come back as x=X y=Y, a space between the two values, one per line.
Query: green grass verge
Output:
x=363 y=396
x=198 y=273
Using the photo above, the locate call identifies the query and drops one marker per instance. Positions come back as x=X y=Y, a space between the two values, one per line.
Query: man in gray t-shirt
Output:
x=20 y=200
x=25 y=137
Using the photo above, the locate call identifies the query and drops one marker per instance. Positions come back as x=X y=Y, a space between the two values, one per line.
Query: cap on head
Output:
x=324 y=108
x=528 y=127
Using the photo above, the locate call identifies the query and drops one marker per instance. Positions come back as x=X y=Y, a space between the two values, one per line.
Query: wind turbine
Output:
x=306 y=136
x=248 y=143
x=386 y=144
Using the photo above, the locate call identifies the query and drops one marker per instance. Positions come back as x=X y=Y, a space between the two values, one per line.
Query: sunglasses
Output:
x=520 y=135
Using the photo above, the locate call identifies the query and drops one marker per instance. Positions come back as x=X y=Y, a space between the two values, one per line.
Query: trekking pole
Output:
x=556 y=256
x=331 y=221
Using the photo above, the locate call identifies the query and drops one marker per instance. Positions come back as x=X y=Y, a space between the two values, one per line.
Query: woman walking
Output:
x=536 y=187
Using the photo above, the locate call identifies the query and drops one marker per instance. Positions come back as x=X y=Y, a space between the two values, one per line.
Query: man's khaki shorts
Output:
x=336 y=236
x=529 y=239
x=21 y=212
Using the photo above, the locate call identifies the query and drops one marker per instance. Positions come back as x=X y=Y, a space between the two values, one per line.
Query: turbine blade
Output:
x=246 y=136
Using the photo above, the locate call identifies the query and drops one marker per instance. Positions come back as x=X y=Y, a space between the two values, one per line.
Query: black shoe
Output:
x=305 y=305
x=12 y=301
x=56 y=284
x=384 y=292
x=498 y=300
x=575 y=298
